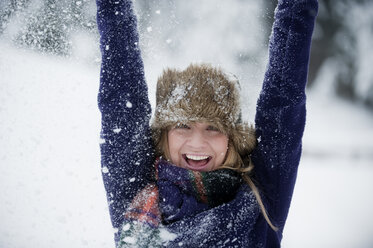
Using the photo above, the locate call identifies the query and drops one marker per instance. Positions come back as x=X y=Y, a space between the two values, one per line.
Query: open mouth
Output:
x=196 y=161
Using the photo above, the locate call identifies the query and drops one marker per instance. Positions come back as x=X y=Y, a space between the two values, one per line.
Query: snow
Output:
x=166 y=236
x=177 y=95
x=130 y=240
x=51 y=178
x=128 y=104
x=105 y=170
x=117 y=130
x=52 y=192
x=332 y=204
x=126 y=227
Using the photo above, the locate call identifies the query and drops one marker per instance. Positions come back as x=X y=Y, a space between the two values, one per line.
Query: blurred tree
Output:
x=47 y=30
x=82 y=14
x=8 y=8
x=338 y=35
x=46 y=25
x=334 y=40
x=337 y=38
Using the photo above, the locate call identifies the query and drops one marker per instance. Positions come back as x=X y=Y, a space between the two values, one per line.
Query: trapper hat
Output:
x=202 y=93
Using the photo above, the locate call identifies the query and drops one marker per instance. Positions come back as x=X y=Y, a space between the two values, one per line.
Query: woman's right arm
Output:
x=126 y=150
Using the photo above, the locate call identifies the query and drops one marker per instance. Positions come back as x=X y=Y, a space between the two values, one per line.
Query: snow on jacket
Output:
x=127 y=153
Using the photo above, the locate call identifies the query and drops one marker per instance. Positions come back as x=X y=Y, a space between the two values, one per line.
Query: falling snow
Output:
x=51 y=124
x=128 y=104
x=117 y=130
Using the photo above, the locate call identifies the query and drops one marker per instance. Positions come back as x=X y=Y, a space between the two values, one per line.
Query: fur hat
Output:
x=202 y=93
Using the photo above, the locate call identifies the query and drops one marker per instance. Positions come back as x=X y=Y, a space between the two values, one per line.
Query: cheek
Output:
x=173 y=139
x=174 y=144
x=221 y=145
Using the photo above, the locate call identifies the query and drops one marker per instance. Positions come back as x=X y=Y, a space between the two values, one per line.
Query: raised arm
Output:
x=280 y=117
x=123 y=100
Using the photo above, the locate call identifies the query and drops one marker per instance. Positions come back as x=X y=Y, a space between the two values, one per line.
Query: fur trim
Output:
x=201 y=93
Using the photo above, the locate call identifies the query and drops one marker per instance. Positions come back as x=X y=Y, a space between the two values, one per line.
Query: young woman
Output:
x=198 y=176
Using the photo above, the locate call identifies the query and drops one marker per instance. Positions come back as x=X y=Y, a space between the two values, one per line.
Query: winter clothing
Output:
x=177 y=193
x=127 y=154
x=199 y=93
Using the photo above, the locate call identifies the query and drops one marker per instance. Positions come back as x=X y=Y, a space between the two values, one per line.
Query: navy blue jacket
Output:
x=127 y=153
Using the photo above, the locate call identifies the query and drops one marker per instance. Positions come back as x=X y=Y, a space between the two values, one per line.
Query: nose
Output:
x=197 y=140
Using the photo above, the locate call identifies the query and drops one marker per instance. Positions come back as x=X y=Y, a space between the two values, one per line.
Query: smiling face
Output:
x=197 y=146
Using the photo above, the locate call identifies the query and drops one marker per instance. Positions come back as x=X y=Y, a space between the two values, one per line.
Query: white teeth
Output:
x=196 y=157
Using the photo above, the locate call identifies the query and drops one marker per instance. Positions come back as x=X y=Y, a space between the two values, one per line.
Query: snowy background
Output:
x=52 y=193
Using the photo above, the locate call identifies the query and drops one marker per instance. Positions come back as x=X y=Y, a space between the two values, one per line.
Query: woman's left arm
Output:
x=280 y=116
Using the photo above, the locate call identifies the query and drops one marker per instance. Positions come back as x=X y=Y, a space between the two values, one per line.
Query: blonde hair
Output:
x=233 y=161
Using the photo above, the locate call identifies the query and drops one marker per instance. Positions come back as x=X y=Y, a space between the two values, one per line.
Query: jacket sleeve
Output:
x=280 y=116
x=126 y=150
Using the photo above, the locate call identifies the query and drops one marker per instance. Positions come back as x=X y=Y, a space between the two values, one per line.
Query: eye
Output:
x=181 y=126
x=212 y=128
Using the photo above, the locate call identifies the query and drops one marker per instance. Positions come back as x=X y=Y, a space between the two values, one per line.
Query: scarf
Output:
x=176 y=193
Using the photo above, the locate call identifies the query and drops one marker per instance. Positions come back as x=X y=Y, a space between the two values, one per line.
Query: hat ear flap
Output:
x=243 y=138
